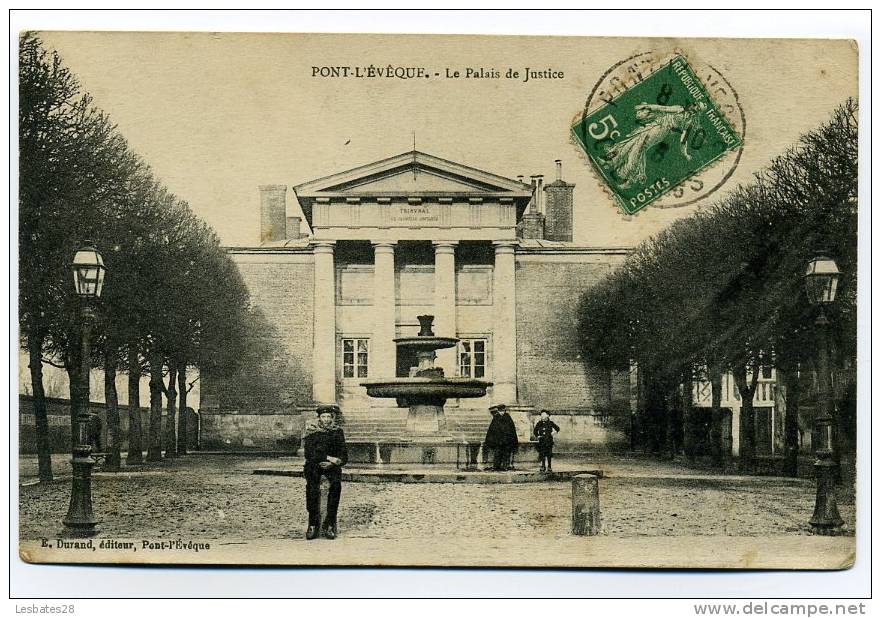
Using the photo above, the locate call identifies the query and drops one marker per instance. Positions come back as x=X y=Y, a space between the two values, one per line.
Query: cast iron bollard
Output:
x=585 y=505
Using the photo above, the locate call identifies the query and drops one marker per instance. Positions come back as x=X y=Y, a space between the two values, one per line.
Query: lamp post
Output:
x=821 y=284
x=88 y=278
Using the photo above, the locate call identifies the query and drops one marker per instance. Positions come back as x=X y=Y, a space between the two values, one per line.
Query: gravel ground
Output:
x=218 y=497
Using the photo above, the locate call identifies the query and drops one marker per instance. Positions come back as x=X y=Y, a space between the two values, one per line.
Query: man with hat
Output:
x=495 y=439
x=324 y=447
x=501 y=438
x=510 y=440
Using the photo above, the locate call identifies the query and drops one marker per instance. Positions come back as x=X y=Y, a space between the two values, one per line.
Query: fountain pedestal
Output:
x=426 y=420
x=427 y=390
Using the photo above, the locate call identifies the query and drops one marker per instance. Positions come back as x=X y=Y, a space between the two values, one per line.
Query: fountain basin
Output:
x=426 y=389
x=426 y=342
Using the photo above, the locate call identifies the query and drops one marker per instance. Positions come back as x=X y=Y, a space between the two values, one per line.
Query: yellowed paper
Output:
x=361 y=182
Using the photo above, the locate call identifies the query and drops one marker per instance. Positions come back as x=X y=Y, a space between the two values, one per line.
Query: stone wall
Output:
x=272 y=432
x=589 y=433
x=275 y=374
x=551 y=372
x=58 y=413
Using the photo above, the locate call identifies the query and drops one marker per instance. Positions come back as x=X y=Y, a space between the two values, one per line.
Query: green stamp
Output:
x=655 y=135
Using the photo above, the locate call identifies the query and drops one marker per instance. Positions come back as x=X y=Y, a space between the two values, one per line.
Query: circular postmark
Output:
x=630 y=75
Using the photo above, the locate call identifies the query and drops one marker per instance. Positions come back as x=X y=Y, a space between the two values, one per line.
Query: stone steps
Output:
x=378 y=424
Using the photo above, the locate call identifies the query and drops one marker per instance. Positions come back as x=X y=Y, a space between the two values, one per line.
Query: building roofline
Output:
x=272 y=249
x=413 y=157
x=573 y=249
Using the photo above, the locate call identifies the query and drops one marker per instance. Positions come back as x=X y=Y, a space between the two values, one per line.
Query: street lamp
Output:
x=821 y=284
x=88 y=278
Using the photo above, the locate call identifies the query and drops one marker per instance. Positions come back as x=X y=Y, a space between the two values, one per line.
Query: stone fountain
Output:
x=427 y=389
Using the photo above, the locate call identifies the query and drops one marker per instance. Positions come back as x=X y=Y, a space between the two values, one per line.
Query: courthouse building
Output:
x=492 y=258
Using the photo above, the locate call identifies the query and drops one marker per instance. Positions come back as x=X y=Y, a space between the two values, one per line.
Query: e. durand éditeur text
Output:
x=126 y=545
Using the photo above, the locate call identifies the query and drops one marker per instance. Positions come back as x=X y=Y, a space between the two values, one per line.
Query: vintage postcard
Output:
x=424 y=300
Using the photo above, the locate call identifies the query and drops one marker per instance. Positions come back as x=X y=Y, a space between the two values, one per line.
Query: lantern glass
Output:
x=88 y=272
x=821 y=280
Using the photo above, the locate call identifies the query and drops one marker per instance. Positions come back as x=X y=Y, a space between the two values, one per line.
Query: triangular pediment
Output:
x=411 y=174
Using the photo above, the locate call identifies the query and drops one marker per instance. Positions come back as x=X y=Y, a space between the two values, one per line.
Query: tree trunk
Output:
x=72 y=365
x=654 y=420
x=111 y=401
x=747 y=418
x=790 y=430
x=154 y=448
x=689 y=422
x=41 y=419
x=171 y=415
x=640 y=413
x=182 y=414
x=716 y=451
x=135 y=431
x=669 y=402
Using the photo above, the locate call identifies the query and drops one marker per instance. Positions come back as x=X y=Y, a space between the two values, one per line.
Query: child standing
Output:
x=544 y=431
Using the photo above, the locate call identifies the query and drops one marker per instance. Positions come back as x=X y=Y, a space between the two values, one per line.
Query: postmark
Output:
x=661 y=129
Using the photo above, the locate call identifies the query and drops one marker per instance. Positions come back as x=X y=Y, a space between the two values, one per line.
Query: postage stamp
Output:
x=655 y=135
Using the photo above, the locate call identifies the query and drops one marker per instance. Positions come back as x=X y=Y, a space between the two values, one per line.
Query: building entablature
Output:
x=524 y=248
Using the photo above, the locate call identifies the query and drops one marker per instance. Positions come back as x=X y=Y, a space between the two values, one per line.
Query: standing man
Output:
x=544 y=431
x=324 y=446
x=511 y=442
x=495 y=439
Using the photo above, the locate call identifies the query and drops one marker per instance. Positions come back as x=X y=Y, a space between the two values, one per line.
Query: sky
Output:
x=217 y=115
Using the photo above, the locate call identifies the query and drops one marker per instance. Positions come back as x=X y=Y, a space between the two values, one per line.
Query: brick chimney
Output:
x=558 y=207
x=293 y=228
x=272 y=213
x=532 y=224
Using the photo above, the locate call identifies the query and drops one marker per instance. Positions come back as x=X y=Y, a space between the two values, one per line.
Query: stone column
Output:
x=504 y=351
x=324 y=351
x=383 y=361
x=445 y=302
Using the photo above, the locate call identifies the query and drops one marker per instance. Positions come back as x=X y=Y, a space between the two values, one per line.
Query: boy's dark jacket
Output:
x=319 y=442
x=544 y=431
